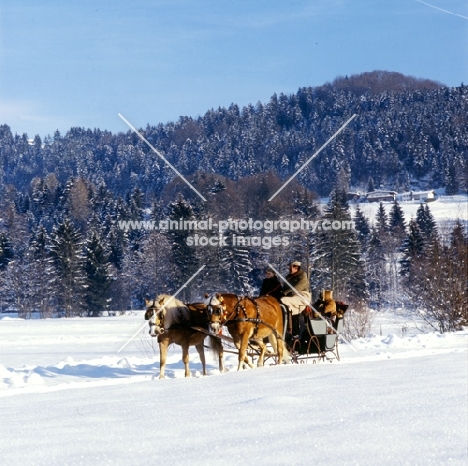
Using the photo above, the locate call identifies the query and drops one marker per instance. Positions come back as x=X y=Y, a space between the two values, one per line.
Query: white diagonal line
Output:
x=441 y=9
x=160 y=155
x=308 y=161
x=309 y=304
x=171 y=298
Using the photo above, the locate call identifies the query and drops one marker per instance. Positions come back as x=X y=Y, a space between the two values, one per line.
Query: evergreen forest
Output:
x=63 y=251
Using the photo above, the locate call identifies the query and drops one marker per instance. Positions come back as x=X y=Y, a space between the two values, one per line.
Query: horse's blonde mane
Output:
x=175 y=312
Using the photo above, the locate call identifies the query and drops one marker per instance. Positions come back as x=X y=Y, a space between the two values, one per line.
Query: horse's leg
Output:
x=244 y=342
x=261 y=356
x=237 y=337
x=273 y=342
x=283 y=353
x=201 y=352
x=185 y=358
x=163 y=344
x=220 y=351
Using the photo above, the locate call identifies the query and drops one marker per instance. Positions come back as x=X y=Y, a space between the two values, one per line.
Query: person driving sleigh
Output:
x=296 y=299
x=271 y=286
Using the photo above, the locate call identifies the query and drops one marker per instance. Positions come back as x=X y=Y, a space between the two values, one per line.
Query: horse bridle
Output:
x=152 y=323
x=217 y=310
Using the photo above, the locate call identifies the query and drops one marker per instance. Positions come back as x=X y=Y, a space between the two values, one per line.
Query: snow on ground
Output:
x=444 y=209
x=67 y=397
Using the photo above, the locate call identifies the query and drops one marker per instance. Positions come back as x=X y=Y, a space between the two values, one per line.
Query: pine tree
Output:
x=412 y=248
x=118 y=243
x=235 y=263
x=362 y=226
x=392 y=242
x=452 y=180
x=6 y=250
x=44 y=276
x=397 y=222
x=184 y=258
x=99 y=275
x=338 y=263
x=301 y=241
x=135 y=203
x=426 y=223
x=458 y=239
x=67 y=253
x=6 y=256
x=381 y=219
x=375 y=265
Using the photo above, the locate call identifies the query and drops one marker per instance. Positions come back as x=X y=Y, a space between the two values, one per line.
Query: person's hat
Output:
x=296 y=263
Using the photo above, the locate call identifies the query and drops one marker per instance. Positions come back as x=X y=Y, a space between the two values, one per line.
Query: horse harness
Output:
x=239 y=308
x=161 y=325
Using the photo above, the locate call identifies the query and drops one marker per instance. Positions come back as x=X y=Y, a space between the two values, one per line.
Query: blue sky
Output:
x=68 y=64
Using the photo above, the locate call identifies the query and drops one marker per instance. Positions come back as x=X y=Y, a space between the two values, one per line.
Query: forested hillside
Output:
x=414 y=129
x=62 y=250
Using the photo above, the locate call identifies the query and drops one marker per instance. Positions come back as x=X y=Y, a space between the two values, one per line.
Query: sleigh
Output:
x=313 y=335
x=308 y=337
x=318 y=341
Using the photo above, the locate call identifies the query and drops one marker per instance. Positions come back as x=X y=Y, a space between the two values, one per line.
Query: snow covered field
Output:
x=444 y=209
x=67 y=397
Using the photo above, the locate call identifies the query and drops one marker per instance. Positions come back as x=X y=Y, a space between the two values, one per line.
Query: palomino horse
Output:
x=248 y=319
x=171 y=321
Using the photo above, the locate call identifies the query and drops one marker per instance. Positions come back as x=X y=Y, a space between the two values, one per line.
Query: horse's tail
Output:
x=215 y=345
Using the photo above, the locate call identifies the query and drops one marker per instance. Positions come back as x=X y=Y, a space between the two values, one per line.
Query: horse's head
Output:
x=155 y=313
x=216 y=311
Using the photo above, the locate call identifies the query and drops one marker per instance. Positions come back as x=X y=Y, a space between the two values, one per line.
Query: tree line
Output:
x=65 y=253
x=62 y=251
x=405 y=130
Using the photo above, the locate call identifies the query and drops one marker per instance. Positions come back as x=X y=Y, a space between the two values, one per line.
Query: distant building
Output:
x=405 y=197
x=381 y=196
x=353 y=196
x=426 y=196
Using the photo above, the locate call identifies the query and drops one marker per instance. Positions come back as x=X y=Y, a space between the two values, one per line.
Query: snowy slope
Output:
x=444 y=209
